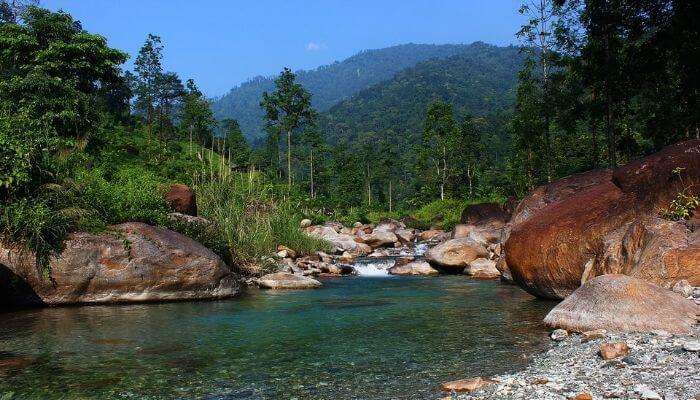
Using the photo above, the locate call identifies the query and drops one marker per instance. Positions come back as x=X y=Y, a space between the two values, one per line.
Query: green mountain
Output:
x=480 y=81
x=332 y=83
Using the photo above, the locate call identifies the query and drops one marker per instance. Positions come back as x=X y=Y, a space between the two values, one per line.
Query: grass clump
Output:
x=253 y=217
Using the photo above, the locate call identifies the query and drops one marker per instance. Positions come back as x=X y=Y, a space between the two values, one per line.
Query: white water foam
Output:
x=373 y=267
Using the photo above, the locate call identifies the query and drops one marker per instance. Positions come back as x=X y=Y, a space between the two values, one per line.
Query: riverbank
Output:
x=657 y=366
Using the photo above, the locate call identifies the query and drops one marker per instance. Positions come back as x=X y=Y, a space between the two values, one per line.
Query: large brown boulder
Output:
x=136 y=262
x=182 y=199
x=603 y=222
x=483 y=214
x=623 y=303
x=455 y=254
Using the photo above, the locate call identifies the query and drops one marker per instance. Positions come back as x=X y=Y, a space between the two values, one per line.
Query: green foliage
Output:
x=286 y=109
x=131 y=194
x=254 y=216
x=36 y=226
x=685 y=202
x=328 y=84
x=681 y=207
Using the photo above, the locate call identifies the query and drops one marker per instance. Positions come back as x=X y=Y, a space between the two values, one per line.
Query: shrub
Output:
x=133 y=194
x=34 y=226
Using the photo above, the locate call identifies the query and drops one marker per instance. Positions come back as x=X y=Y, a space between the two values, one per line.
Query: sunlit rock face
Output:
x=603 y=222
x=134 y=262
x=623 y=303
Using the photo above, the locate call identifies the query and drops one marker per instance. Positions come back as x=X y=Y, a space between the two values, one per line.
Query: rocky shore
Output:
x=652 y=366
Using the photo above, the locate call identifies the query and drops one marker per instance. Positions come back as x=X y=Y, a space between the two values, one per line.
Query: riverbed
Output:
x=355 y=338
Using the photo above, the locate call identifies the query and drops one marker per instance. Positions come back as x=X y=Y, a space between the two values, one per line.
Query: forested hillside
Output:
x=331 y=83
x=479 y=82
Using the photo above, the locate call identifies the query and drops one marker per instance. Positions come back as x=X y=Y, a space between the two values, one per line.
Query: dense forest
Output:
x=328 y=84
x=85 y=143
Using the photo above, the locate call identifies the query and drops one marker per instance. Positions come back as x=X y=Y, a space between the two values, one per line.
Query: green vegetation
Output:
x=415 y=131
x=328 y=84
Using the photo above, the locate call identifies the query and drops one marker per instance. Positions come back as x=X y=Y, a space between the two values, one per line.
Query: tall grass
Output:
x=253 y=216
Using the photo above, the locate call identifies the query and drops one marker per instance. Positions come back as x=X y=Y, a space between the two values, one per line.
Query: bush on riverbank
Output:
x=253 y=216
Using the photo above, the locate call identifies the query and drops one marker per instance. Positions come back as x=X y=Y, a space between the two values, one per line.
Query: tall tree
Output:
x=238 y=149
x=438 y=136
x=149 y=70
x=286 y=109
x=196 y=118
x=11 y=10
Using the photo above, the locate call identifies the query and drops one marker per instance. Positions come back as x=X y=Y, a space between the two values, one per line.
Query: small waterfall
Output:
x=420 y=249
x=373 y=267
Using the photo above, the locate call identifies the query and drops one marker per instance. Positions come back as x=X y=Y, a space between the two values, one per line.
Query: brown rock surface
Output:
x=484 y=213
x=623 y=303
x=603 y=222
x=285 y=280
x=610 y=351
x=465 y=385
x=455 y=254
x=482 y=268
x=182 y=199
x=138 y=263
x=414 y=268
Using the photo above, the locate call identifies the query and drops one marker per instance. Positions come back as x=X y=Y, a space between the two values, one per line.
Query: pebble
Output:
x=573 y=366
x=559 y=334
x=647 y=394
x=692 y=345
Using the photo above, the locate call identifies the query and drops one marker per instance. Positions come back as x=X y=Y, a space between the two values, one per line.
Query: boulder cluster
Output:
x=472 y=249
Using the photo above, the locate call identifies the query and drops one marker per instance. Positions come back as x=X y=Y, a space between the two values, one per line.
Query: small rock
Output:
x=592 y=335
x=609 y=351
x=305 y=223
x=582 y=396
x=646 y=394
x=465 y=385
x=684 y=288
x=540 y=381
x=559 y=334
x=692 y=345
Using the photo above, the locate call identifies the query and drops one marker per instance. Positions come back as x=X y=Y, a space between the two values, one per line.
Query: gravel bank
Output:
x=658 y=366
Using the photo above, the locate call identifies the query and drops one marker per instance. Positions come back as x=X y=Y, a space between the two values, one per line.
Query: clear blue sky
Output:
x=222 y=43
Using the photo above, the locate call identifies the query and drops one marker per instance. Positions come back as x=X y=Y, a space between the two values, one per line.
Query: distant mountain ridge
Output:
x=479 y=81
x=332 y=83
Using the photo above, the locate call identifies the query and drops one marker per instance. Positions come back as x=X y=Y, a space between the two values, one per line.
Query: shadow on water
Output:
x=356 y=338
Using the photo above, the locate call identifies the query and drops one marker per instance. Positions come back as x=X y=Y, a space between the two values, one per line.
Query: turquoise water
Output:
x=356 y=338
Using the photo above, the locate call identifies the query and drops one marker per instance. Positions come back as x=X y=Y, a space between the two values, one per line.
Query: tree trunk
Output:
x=312 y=173
x=289 y=159
x=390 y=196
x=444 y=172
x=369 y=188
x=469 y=178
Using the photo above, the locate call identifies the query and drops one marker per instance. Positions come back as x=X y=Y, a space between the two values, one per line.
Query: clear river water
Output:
x=355 y=338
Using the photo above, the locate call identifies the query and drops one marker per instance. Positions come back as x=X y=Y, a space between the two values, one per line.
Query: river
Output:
x=355 y=338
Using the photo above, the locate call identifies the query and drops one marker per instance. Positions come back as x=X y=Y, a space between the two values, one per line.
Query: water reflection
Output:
x=357 y=338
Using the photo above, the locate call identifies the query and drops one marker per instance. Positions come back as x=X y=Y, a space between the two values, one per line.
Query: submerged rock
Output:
x=285 y=280
x=455 y=254
x=414 y=268
x=465 y=385
x=622 y=303
x=139 y=263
